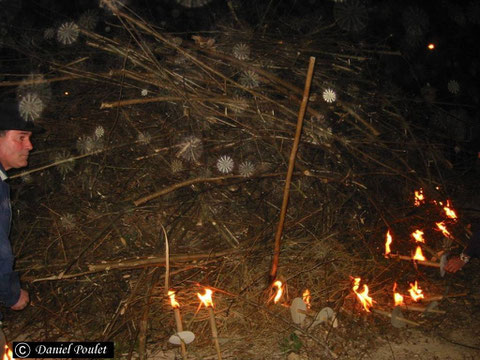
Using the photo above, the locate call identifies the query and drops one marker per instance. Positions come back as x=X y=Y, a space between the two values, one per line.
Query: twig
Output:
x=291 y=166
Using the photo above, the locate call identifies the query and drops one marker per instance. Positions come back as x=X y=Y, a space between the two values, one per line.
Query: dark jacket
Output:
x=473 y=245
x=9 y=280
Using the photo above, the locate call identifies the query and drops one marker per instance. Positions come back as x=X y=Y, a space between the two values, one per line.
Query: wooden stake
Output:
x=178 y=322
x=213 y=327
x=291 y=166
x=419 y=262
x=389 y=314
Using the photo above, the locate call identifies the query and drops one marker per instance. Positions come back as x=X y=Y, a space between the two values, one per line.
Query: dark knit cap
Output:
x=10 y=119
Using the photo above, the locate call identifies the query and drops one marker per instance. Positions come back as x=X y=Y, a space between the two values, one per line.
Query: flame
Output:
x=418 y=236
x=388 y=241
x=419 y=254
x=449 y=211
x=366 y=300
x=173 y=302
x=306 y=298
x=8 y=353
x=207 y=298
x=431 y=46
x=415 y=292
x=443 y=228
x=278 y=284
x=419 y=197
x=398 y=298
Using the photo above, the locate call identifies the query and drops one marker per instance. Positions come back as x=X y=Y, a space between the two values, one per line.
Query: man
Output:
x=472 y=250
x=15 y=147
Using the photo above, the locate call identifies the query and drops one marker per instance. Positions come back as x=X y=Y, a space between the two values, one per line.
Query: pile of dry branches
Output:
x=193 y=134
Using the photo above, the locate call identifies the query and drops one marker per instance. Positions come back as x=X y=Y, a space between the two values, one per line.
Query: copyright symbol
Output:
x=21 y=350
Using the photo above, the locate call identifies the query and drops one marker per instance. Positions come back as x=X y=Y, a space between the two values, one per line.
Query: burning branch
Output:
x=388 y=242
x=366 y=300
x=419 y=197
x=397 y=298
x=449 y=211
x=418 y=236
x=415 y=292
x=419 y=254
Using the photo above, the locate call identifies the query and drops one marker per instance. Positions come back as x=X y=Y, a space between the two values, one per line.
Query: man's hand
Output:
x=454 y=264
x=22 y=301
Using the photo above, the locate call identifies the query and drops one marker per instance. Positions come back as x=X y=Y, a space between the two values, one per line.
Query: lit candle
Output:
x=178 y=320
x=206 y=300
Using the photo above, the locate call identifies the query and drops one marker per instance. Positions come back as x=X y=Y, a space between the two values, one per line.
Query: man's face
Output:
x=14 y=148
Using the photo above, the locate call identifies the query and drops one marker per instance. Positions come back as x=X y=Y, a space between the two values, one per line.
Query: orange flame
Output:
x=8 y=353
x=419 y=254
x=173 y=302
x=278 y=284
x=398 y=298
x=418 y=236
x=415 y=292
x=449 y=211
x=388 y=242
x=306 y=298
x=419 y=197
x=366 y=300
x=207 y=298
x=443 y=228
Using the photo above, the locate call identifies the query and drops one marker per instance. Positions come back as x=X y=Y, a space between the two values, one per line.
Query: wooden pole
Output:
x=178 y=322
x=213 y=327
x=291 y=166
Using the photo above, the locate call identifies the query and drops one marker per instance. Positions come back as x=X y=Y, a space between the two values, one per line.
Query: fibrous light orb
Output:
x=88 y=20
x=144 y=138
x=453 y=87
x=49 y=33
x=225 y=164
x=351 y=15
x=193 y=3
x=30 y=107
x=65 y=163
x=176 y=166
x=85 y=144
x=190 y=148
x=238 y=105
x=416 y=23
x=68 y=33
x=241 y=51
x=329 y=95
x=249 y=79
x=99 y=132
x=246 y=168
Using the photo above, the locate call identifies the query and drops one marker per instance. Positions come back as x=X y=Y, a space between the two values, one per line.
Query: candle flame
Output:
x=415 y=292
x=306 y=298
x=397 y=297
x=388 y=242
x=443 y=228
x=418 y=236
x=278 y=284
x=207 y=298
x=449 y=211
x=366 y=300
x=8 y=353
x=419 y=254
x=431 y=46
x=419 y=197
x=174 y=303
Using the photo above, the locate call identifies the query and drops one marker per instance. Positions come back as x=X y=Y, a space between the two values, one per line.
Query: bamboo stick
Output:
x=291 y=165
